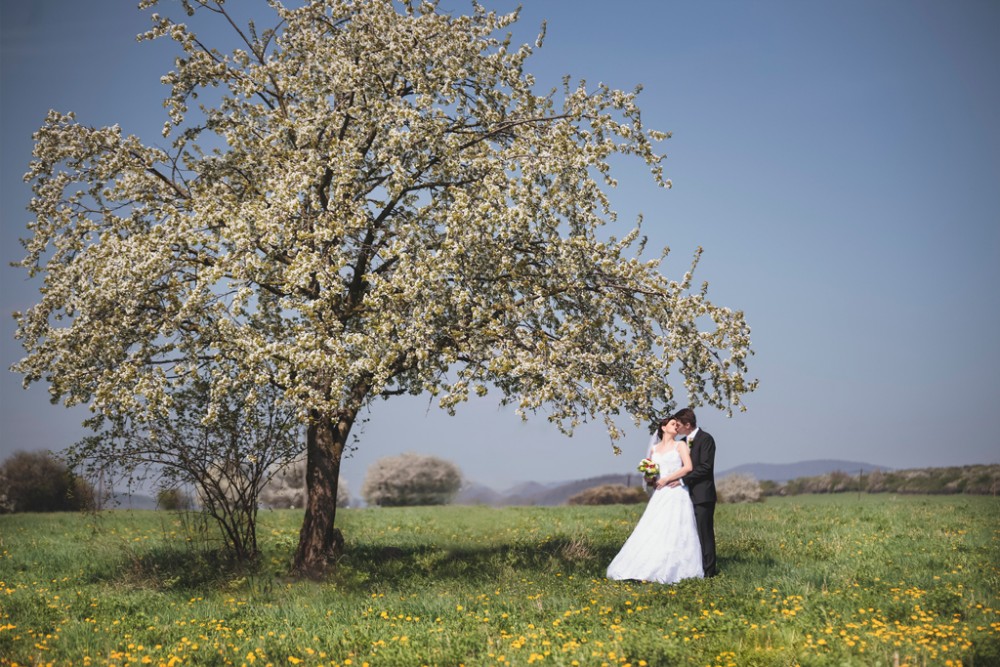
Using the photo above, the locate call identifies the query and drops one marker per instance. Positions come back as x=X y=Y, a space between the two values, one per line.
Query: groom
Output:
x=701 y=484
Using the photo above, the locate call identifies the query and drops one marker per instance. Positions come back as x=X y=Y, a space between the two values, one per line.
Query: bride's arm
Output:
x=685 y=468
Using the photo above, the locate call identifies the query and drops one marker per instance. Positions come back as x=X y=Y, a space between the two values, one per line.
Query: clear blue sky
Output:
x=838 y=161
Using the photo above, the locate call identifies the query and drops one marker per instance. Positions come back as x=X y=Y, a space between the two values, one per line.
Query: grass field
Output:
x=810 y=580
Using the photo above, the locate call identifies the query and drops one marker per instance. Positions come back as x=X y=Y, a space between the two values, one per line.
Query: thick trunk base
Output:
x=320 y=544
x=317 y=562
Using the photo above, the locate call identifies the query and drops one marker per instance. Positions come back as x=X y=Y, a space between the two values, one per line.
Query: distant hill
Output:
x=783 y=472
x=477 y=494
x=536 y=493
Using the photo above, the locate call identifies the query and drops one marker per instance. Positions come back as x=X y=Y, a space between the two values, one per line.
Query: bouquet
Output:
x=650 y=470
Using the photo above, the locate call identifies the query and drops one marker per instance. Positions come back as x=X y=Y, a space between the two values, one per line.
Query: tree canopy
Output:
x=370 y=199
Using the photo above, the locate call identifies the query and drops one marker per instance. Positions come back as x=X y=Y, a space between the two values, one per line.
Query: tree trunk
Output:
x=319 y=542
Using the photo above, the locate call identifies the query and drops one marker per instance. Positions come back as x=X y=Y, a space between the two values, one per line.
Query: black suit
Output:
x=701 y=485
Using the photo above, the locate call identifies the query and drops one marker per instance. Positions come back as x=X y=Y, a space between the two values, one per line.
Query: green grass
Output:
x=810 y=580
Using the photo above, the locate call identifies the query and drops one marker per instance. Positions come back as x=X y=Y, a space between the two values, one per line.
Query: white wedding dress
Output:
x=664 y=545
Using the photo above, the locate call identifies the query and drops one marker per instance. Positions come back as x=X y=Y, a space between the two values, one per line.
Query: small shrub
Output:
x=610 y=494
x=220 y=438
x=739 y=488
x=771 y=488
x=173 y=499
x=410 y=480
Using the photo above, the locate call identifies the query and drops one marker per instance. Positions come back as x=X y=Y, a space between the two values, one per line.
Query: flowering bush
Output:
x=739 y=488
x=411 y=479
x=287 y=488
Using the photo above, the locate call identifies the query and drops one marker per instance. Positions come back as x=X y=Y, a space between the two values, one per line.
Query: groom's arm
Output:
x=703 y=461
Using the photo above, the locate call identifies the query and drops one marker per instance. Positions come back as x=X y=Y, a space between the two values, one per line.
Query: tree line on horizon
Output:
x=42 y=482
x=980 y=480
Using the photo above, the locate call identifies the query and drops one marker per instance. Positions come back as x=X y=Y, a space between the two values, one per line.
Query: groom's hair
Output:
x=686 y=417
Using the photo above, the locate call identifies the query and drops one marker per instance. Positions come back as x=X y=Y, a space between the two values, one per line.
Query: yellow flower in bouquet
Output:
x=649 y=469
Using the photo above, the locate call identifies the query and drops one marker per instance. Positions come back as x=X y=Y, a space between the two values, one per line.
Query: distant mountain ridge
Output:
x=535 y=493
x=557 y=493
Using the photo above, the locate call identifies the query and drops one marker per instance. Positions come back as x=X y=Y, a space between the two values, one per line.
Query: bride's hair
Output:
x=659 y=429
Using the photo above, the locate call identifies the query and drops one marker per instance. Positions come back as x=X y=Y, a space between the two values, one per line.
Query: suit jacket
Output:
x=701 y=480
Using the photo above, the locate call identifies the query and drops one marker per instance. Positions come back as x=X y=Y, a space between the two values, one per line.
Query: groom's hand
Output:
x=674 y=483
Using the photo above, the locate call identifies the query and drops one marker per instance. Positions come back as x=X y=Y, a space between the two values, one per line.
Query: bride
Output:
x=664 y=545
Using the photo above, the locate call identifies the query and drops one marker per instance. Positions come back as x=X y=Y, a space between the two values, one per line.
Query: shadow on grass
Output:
x=170 y=567
x=390 y=565
x=361 y=566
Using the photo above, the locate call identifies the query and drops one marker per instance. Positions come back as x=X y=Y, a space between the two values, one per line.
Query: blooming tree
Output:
x=370 y=200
